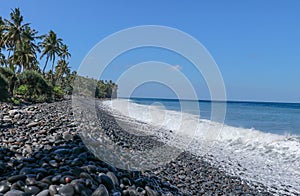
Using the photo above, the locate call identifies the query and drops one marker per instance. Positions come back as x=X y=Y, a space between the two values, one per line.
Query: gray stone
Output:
x=66 y=190
x=4 y=188
x=107 y=181
x=113 y=177
x=14 y=193
x=52 y=189
x=32 y=124
x=16 y=178
x=67 y=136
x=150 y=192
x=32 y=190
x=100 y=191
x=43 y=193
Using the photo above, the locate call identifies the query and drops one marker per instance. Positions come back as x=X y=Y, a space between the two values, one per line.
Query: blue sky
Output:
x=255 y=43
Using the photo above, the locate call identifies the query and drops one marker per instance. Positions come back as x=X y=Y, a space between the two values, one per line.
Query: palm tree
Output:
x=64 y=52
x=62 y=69
x=51 y=48
x=25 y=54
x=2 y=46
x=12 y=38
x=24 y=57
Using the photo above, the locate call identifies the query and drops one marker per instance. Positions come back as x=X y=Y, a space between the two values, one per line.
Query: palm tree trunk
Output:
x=45 y=65
x=52 y=79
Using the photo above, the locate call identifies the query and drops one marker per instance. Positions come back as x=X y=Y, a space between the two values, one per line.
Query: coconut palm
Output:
x=64 y=52
x=2 y=46
x=14 y=28
x=25 y=54
x=24 y=57
x=51 y=48
x=62 y=69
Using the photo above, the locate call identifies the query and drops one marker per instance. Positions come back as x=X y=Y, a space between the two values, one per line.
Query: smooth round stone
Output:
x=67 y=136
x=16 y=178
x=76 y=162
x=62 y=151
x=113 y=177
x=78 y=187
x=90 y=168
x=42 y=185
x=150 y=192
x=32 y=190
x=4 y=188
x=100 y=191
x=25 y=170
x=126 y=181
x=39 y=176
x=43 y=193
x=52 y=189
x=116 y=194
x=53 y=163
x=107 y=181
x=66 y=190
x=88 y=182
x=85 y=175
x=56 y=179
x=30 y=181
x=14 y=193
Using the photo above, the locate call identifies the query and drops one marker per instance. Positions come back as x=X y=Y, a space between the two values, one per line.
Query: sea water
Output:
x=258 y=141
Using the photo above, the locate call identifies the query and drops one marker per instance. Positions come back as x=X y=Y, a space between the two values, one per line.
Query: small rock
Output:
x=4 y=188
x=52 y=189
x=107 y=181
x=32 y=124
x=100 y=191
x=14 y=193
x=150 y=192
x=67 y=136
x=16 y=178
x=43 y=193
x=53 y=163
x=113 y=177
x=32 y=190
x=66 y=190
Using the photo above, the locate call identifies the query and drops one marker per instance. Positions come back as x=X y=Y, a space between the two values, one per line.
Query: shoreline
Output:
x=42 y=153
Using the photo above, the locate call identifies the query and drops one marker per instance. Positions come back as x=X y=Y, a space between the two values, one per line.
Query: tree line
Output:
x=23 y=78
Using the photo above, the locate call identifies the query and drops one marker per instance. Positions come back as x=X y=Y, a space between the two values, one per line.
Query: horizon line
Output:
x=206 y=100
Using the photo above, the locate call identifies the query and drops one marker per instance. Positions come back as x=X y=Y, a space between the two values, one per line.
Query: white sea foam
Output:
x=270 y=159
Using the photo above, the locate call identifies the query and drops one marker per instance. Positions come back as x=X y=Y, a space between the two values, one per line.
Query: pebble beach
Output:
x=42 y=152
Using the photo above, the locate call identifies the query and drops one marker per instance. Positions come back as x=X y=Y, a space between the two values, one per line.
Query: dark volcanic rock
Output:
x=42 y=153
x=100 y=191
x=66 y=190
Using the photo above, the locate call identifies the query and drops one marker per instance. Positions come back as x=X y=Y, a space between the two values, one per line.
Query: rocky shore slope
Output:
x=42 y=153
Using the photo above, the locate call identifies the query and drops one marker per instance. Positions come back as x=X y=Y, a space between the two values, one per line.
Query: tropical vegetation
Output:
x=22 y=49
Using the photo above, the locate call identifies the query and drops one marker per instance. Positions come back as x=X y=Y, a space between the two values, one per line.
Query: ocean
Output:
x=270 y=117
x=258 y=141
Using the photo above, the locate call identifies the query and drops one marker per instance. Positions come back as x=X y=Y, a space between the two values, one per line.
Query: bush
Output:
x=3 y=88
x=9 y=76
x=22 y=90
x=58 y=93
x=15 y=101
x=6 y=72
x=33 y=86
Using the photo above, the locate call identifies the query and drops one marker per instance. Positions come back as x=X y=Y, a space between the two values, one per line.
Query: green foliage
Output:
x=58 y=93
x=20 y=77
x=35 y=85
x=3 y=88
x=10 y=77
x=6 y=72
x=22 y=90
x=15 y=101
x=92 y=87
